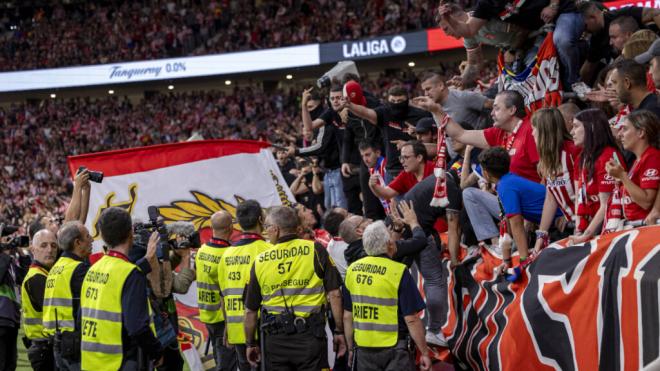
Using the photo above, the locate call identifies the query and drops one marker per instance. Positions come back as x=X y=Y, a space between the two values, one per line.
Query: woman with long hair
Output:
x=640 y=134
x=591 y=132
x=557 y=158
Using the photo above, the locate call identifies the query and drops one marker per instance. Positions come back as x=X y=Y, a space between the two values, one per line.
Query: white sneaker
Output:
x=436 y=339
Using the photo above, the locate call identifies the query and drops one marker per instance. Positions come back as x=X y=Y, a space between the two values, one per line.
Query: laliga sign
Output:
x=374 y=47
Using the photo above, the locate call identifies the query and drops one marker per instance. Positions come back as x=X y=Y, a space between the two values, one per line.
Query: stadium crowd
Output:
x=83 y=33
x=449 y=161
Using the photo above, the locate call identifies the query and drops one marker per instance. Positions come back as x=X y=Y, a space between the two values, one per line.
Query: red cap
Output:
x=353 y=91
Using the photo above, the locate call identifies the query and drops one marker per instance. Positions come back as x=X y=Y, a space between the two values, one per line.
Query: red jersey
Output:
x=562 y=187
x=645 y=173
x=405 y=181
x=521 y=147
x=600 y=182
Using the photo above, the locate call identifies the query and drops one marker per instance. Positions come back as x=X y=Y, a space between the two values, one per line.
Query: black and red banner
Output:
x=591 y=306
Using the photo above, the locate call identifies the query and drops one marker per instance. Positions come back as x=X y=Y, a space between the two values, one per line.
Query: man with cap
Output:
x=357 y=131
x=426 y=131
x=652 y=56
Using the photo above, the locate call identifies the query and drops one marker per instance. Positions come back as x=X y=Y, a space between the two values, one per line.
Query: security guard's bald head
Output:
x=221 y=224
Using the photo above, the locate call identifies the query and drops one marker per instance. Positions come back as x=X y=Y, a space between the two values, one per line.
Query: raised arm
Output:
x=474 y=138
x=308 y=124
x=463 y=29
x=363 y=112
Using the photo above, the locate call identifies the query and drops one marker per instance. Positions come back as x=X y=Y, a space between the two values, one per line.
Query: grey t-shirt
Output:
x=465 y=106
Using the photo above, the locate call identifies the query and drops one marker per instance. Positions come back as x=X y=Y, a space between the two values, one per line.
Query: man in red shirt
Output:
x=512 y=131
x=415 y=168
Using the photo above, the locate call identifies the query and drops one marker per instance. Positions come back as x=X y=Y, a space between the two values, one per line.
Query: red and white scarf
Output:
x=440 y=193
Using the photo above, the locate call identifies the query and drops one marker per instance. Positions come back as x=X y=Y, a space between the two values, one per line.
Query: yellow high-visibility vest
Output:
x=287 y=278
x=233 y=275
x=58 y=299
x=101 y=313
x=374 y=286
x=209 y=302
x=32 y=320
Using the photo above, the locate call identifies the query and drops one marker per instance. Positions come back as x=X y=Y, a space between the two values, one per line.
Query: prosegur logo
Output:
x=374 y=47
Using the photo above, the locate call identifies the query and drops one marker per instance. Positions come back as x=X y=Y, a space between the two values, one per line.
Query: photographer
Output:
x=79 y=205
x=10 y=271
x=163 y=282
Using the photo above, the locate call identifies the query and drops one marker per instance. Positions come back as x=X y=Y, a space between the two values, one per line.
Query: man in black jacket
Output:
x=327 y=147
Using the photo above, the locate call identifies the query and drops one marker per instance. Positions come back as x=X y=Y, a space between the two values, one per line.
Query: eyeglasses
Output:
x=403 y=158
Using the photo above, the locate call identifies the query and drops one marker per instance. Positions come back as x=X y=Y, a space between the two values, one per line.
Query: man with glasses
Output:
x=416 y=167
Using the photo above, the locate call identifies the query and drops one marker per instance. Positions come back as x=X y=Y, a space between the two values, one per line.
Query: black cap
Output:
x=425 y=125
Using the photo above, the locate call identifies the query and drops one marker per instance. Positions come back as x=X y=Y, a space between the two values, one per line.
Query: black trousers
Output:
x=41 y=357
x=8 y=348
x=397 y=358
x=297 y=352
x=243 y=364
x=373 y=209
x=225 y=358
x=352 y=189
x=172 y=360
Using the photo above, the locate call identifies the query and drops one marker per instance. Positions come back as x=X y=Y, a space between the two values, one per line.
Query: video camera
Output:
x=186 y=230
x=14 y=243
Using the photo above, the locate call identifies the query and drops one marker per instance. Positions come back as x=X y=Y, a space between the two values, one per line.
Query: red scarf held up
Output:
x=440 y=193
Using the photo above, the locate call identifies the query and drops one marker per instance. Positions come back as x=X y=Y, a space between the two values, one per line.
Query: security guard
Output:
x=290 y=283
x=116 y=319
x=62 y=297
x=381 y=302
x=234 y=271
x=44 y=252
x=209 y=302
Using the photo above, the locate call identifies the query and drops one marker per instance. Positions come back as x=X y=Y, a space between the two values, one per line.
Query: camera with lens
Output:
x=94 y=176
x=188 y=237
x=15 y=243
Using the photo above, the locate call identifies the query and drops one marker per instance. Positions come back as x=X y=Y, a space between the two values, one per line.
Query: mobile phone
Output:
x=615 y=158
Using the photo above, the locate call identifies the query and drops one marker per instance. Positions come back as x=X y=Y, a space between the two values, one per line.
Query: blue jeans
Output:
x=481 y=208
x=333 y=190
x=568 y=29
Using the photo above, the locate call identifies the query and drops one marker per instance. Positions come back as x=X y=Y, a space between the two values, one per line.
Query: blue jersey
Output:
x=521 y=196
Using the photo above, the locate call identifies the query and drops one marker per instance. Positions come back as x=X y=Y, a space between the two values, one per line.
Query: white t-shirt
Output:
x=336 y=248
